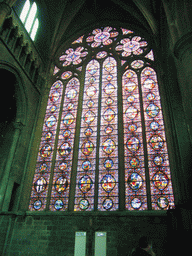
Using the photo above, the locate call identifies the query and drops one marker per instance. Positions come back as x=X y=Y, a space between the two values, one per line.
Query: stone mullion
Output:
x=147 y=178
x=121 y=154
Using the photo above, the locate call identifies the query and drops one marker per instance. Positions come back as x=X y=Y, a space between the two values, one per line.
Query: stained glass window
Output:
x=103 y=121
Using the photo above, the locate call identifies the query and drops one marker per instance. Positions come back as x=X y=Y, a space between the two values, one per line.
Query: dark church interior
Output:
x=67 y=65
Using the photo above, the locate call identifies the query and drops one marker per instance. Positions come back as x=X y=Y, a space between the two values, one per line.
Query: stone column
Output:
x=4 y=182
x=183 y=54
x=5 y=9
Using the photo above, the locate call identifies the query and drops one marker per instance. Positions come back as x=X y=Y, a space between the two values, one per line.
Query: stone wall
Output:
x=43 y=234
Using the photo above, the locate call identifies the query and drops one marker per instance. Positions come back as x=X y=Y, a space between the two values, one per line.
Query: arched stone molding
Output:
x=17 y=124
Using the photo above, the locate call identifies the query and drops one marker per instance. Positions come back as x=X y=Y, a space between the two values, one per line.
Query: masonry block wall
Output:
x=54 y=234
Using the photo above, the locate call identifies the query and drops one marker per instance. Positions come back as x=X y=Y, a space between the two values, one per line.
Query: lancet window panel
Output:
x=84 y=196
x=41 y=179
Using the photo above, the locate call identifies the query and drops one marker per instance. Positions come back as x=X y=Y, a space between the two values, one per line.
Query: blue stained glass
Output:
x=37 y=204
x=108 y=203
x=58 y=204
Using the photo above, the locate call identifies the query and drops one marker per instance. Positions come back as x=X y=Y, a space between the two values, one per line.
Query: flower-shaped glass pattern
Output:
x=72 y=56
x=128 y=46
x=100 y=37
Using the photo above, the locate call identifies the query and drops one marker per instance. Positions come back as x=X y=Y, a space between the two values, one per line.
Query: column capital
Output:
x=182 y=45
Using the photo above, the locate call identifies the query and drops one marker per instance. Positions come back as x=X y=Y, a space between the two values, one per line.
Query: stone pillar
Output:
x=4 y=182
x=5 y=9
x=183 y=53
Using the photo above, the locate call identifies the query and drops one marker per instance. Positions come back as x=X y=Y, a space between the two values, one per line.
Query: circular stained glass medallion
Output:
x=158 y=160
x=68 y=119
x=102 y=36
x=70 y=106
x=134 y=162
x=48 y=135
x=86 y=165
x=61 y=184
x=92 y=80
x=135 y=181
x=85 y=184
x=37 y=204
x=66 y=134
x=109 y=115
x=152 y=110
x=58 y=204
x=90 y=103
x=46 y=150
x=84 y=204
x=87 y=148
x=151 y=96
x=162 y=202
x=88 y=132
x=156 y=142
x=131 y=112
x=131 y=46
x=108 y=130
x=130 y=86
x=136 y=203
x=109 y=101
x=109 y=66
x=65 y=149
x=71 y=94
x=133 y=144
x=132 y=127
x=92 y=69
x=108 y=183
x=63 y=166
x=160 y=180
x=108 y=146
x=149 y=83
x=108 y=163
x=109 y=88
x=131 y=99
x=43 y=167
x=89 y=117
x=53 y=108
x=109 y=77
x=54 y=96
x=154 y=125
x=107 y=203
x=51 y=121
x=40 y=185
x=91 y=91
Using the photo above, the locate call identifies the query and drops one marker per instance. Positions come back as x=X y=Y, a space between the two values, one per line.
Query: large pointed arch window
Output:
x=103 y=144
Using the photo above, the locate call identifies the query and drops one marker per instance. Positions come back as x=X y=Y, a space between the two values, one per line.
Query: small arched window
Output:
x=103 y=144
x=29 y=19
